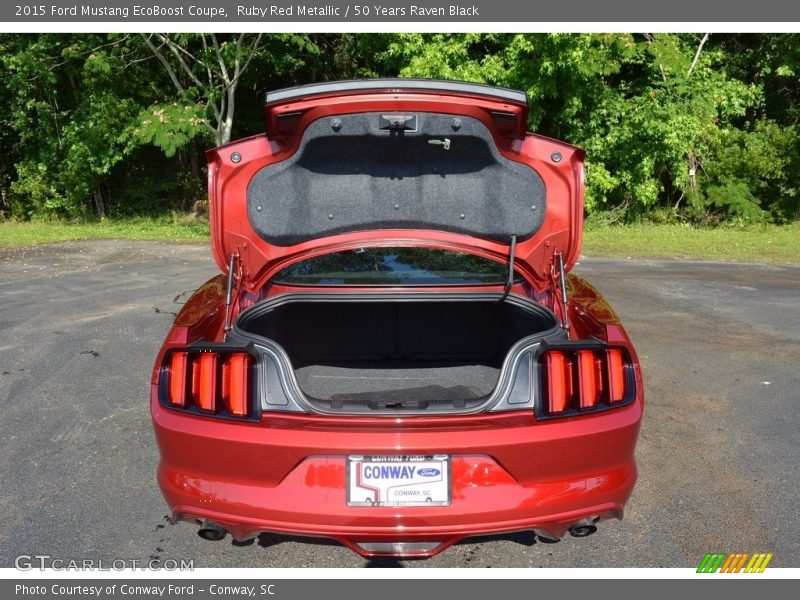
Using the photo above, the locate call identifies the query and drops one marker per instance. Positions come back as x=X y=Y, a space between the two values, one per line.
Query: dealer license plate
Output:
x=398 y=480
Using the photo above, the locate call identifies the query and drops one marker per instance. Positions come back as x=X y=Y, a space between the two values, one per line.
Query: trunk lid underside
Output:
x=358 y=177
x=425 y=166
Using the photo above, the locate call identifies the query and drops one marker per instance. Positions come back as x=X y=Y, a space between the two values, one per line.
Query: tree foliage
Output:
x=676 y=126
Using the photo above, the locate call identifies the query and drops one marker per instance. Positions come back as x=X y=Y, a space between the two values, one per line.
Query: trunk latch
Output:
x=397 y=123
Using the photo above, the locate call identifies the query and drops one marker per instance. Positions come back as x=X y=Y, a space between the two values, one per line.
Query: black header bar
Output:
x=399 y=11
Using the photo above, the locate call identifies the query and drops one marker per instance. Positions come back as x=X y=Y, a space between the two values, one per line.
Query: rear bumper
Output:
x=287 y=475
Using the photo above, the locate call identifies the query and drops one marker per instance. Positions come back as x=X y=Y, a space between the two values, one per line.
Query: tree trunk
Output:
x=100 y=206
x=194 y=163
x=692 y=161
x=226 y=126
x=697 y=54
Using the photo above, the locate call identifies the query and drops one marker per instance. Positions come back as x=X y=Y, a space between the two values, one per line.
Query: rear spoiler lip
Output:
x=429 y=86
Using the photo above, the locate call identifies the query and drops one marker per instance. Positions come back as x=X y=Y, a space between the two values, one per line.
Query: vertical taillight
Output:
x=195 y=382
x=235 y=384
x=616 y=376
x=207 y=394
x=211 y=381
x=559 y=382
x=177 y=378
x=588 y=379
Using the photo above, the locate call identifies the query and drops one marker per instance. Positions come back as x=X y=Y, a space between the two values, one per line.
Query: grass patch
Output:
x=755 y=243
x=171 y=228
x=758 y=243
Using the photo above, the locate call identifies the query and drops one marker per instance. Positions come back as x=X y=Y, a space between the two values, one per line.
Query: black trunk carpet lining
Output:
x=397 y=382
x=358 y=178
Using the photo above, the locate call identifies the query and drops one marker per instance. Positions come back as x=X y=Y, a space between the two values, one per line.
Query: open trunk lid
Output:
x=395 y=162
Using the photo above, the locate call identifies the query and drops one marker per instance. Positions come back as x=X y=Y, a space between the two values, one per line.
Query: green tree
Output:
x=66 y=110
x=677 y=126
x=81 y=113
x=206 y=70
x=656 y=113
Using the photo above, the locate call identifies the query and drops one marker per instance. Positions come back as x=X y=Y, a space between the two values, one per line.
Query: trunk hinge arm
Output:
x=511 y=257
x=229 y=294
x=562 y=283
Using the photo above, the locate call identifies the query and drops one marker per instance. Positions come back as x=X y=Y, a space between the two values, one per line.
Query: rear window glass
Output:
x=394 y=266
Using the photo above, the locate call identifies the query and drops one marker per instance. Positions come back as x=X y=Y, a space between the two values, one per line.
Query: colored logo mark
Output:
x=739 y=562
x=429 y=472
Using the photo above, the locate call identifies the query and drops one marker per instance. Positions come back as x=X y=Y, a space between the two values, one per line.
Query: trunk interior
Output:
x=397 y=353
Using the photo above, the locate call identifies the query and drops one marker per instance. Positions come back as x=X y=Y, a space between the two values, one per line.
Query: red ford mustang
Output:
x=395 y=355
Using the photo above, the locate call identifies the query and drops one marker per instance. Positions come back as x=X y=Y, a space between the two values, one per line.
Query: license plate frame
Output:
x=399 y=481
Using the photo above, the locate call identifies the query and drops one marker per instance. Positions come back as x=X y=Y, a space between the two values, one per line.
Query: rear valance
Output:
x=355 y=173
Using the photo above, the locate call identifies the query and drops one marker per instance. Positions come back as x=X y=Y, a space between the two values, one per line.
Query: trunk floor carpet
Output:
x=402 y=381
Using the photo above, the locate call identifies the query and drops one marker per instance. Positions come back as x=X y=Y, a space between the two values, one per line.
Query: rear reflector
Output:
x=616 y=376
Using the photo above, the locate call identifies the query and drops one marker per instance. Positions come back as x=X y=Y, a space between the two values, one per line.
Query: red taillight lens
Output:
x=578 y=380
x=559 y=382
x=195 y=383
x=206 y=395
x=177 y=378
x=616 y=376
x=587 y=379
x=235 y=384
x=211 y=381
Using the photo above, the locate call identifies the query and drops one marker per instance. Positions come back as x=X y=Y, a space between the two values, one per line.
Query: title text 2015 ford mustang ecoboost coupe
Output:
x=395 y=355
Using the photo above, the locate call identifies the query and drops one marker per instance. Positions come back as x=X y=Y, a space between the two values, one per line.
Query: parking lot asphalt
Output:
x=80 y=325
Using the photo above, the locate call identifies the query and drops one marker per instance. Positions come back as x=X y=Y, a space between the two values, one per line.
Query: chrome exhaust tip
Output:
x=211 y=531
x=584 y=527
